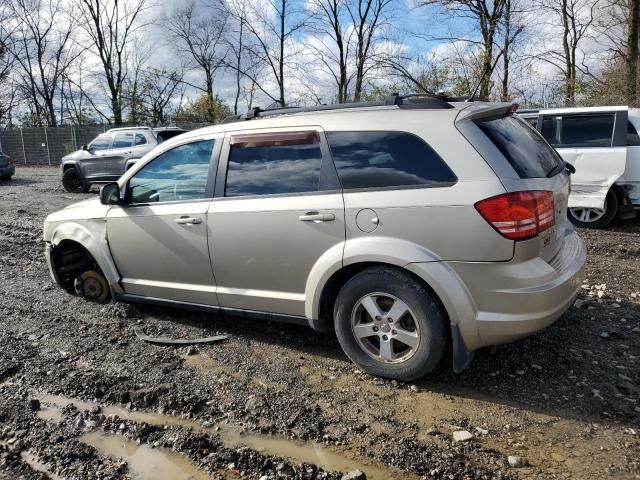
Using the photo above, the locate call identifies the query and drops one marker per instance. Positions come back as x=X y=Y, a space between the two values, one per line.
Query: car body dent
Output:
x=83 y=223
x=597 y=169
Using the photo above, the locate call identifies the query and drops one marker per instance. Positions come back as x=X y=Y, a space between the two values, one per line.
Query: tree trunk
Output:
x=210 y=100
x=281 y=59
x=238 y=65
x=632 y=53
x=487 y=60
x=504 y=94
x=569 y=97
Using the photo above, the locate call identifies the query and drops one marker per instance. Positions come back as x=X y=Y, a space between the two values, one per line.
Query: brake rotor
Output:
x=92 y=286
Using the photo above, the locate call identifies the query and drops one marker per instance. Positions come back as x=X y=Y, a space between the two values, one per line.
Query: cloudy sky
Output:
x=420 y=33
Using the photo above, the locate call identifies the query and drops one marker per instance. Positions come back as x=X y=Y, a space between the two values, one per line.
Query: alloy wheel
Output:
x=385 y=328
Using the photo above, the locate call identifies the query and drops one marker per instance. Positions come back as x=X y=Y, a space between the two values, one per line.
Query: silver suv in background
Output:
x=109 y=155
x=405 y=225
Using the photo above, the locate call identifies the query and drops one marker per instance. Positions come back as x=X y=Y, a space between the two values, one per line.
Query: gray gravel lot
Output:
x=279 y=401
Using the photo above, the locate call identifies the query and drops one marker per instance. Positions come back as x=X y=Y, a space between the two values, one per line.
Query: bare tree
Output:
x=487 y=16
x=133 y=84
x=513 y=21
x=328 y=21
x=631 y=61
x=241 y=58
x=271 y=26
x=159 y=90
x=368 y=17
x=7 y=88
x=111 y=26
x=575 y=19
x=44 y=49
x=200 y=35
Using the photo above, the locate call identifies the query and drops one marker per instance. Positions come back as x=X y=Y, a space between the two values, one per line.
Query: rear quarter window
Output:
x=384 y=159
x=523 y=147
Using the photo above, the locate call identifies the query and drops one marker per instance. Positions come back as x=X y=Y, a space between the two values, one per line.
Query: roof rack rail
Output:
x=419 y=100
x=124 y=129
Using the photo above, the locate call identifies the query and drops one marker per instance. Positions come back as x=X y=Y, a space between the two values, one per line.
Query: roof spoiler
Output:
x=486 y=111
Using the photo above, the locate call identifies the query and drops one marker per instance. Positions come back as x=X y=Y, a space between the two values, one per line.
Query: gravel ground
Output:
x=279 y=401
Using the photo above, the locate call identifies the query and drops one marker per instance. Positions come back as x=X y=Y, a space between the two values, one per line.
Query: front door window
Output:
x=176 y=175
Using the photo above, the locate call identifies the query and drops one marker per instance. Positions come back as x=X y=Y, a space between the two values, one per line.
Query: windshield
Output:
x=101 y=142
x=523 y=147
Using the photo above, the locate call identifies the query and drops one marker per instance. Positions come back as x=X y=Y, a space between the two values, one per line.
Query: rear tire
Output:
x=406 y=347
x=595 y=217
x=6 y=179
x=73 y=182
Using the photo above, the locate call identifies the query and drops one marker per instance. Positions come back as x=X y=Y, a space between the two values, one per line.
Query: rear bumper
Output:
x=7 y=171
x=515 y=299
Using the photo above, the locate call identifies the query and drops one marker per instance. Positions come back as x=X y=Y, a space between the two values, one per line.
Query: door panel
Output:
x=278 y=209
x=262 y=252
x=597 y=169
x=160 y=256
x=159 y=240
x=106 y=163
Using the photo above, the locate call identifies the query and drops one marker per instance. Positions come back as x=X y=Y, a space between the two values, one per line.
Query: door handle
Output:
x=316 y=217
x=188 y=221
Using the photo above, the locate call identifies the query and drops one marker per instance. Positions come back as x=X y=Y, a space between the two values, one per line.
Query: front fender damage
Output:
x=91 y=235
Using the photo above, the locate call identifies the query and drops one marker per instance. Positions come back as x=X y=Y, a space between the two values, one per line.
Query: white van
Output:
x=602 y=143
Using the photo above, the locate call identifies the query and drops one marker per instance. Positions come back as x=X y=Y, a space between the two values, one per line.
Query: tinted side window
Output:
x=386 y=159
x=101 y=142
x=122 y=140
x=579 y=130
x=178 y=174
x=140 y=139
x=525 y=150
x=267 y=164
x=633 y=140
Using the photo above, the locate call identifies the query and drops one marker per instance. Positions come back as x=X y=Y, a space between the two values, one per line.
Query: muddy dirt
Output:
x=280 y=401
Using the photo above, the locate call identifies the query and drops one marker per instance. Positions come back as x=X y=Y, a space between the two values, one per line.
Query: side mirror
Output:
x=110 y=194
x=84 y=147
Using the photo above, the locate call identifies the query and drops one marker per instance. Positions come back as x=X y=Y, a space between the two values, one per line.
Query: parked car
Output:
x=7 y=167
x=109 y=155
x=405 y=225
x=603 y=145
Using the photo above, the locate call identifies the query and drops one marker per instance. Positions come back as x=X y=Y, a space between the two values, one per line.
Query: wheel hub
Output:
x=385 y=328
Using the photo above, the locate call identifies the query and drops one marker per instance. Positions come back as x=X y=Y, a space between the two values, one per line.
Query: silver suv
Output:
x=405 y=225
x=109 y=155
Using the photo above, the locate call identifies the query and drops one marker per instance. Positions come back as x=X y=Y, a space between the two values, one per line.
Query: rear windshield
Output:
x=527 y=152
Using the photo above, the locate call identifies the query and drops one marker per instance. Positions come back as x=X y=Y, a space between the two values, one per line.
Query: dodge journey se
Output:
x=406 y=226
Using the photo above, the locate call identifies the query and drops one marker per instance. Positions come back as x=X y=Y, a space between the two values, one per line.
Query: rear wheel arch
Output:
x=339 y=278
x=390 y=285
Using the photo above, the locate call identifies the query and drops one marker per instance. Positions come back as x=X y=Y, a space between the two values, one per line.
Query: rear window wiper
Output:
x=559 y=167
x=555 y=170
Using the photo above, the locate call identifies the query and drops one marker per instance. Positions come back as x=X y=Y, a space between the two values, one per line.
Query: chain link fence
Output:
x=47 y=145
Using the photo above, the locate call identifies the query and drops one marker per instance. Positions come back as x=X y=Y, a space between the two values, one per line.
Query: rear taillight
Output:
x=519 y=215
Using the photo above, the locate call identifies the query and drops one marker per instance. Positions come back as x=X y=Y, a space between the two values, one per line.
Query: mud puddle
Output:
x=144 y=462
x=231 y=436
x=37 y=466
